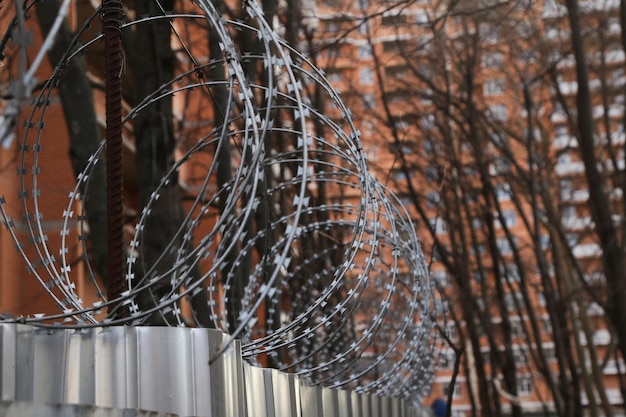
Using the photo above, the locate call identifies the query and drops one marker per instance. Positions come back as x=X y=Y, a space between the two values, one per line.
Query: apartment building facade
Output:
x=468 y=110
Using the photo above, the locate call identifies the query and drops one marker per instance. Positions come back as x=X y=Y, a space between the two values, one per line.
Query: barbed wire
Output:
x=336 y=285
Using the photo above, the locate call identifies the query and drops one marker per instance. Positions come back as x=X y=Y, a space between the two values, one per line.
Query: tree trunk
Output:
x=155 y=143
x=613 y=255
x=81 y=121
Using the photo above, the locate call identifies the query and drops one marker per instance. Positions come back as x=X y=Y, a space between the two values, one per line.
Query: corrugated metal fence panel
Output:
x=7 y=363
x=344 y=402
x=310 y=400
x=330 y=404
x=167 y=370
x=357 y=403
x=152 y=368
x=22 y=409
x=256 y=391
x=286 y=398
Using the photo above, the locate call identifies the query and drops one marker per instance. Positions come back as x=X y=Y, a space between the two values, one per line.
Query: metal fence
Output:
x=164 y=369
x=289 y=222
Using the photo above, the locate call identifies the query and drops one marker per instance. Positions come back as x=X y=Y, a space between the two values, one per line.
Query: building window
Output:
x=441 y=277
x=550 y=353
x=498 y=112
x=363 y=27
x=568 y=213
x=492 y=60
x=368 y=127
x=421 y=19
x=443 y=361
x=366 y=76
x=517 y=330
x=504 y=245
x=520 y=355
x=554 y=56
x=397 y=71
x=551 y=7
x=512 y=300
x=552 y=32
x=561 y=131
x=368 y=102
x=493 y=87
x=396 y=97
x=489 y=33
x=524 y=384
x=394 y=20
x=456 y=393
x=566 y=188
x=470 y=171
x=595 y=277
x=438 y=225
x=425 y=96
x=498 y=139
x=503 y=192
x=365 y=51
x=399 y=175
x=333 y=26
x=526 y=29
x=372 y=152
x=541 y=300
x=527 y=56
x=617 y=77
x=431 y=147
x=433 y=199
x=544 y=241
x=394 y=46
x=432 y=174
x=511 y=272
x=509 y=217
x=534 y=134
x=436 y=254
x=450 y=331
x=478 y=250
x=334 y=77
x=571 y=239
x=564 y=159
x=428 y=122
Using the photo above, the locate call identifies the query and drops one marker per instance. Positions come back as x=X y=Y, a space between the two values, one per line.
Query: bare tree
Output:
x=485 y=187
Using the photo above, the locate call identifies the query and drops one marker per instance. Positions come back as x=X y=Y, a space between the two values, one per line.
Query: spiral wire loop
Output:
x=334 y=282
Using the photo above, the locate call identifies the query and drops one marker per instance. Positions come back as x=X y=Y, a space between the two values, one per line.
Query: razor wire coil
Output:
x=342 y=280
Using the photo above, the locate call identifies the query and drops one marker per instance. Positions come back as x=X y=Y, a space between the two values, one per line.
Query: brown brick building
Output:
x=471 y=105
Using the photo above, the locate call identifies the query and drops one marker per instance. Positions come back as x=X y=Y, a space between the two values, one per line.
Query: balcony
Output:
x=565 y=141
x=568 y=168
x=577 y=223
x=601 y=337
x=587 y=250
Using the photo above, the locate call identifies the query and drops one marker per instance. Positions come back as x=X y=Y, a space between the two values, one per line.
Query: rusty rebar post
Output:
x=112 y=14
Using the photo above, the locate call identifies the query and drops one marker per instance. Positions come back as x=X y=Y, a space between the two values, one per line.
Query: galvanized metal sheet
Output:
x=22 y=409
x=285 y=400
x=169 y=370
x=344 y=403
x=330 y=404
x=310 y=400
x=257 y=392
